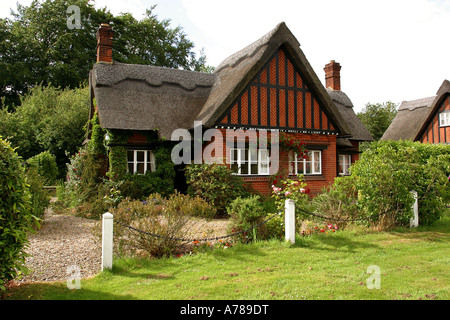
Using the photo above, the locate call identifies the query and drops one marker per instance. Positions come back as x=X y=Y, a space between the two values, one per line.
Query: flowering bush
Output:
x=290 y=189
x=292 y=144
x=75 y=169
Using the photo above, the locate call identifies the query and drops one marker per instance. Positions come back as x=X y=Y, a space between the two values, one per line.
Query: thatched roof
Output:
x=140 y=97
x=409 y=119
x=413 y=116
x=345 y=107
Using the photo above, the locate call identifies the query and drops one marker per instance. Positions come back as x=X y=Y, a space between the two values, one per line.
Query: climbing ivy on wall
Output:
x=141 y=185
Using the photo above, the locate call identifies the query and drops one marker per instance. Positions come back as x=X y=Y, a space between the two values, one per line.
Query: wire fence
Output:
x=248 y=229
x=200 y=239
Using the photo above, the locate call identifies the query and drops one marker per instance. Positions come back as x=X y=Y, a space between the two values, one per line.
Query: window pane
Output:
x=244 y=155
x=317 y=162
x=233 y=155
x=235 y=167
x=131 y=167
x=308 y=169
x=300 y=167
x=254 y=168
x=130 y=155
x=141 y=168
x=140 y=156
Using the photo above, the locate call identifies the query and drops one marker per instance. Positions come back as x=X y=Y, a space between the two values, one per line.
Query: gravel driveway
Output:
x=63 y=241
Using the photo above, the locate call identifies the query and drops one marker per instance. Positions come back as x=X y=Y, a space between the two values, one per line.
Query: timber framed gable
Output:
x=279 y=98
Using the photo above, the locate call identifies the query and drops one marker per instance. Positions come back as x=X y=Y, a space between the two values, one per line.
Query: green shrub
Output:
x=16 y=217
x=275 y=227
x=338 y=202
x=215 y=183
x=170 y=218
x=39 y=197
x=380 y=184
x=45 y=164
x=246 y=213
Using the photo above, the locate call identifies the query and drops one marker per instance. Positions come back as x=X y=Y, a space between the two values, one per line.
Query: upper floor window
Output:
x=444 y=118
x=311 y=164
x=249 y=161
x=140 y=161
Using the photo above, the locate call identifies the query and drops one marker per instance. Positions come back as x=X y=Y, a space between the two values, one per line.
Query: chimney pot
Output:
x=333 y=75
x=105 y=36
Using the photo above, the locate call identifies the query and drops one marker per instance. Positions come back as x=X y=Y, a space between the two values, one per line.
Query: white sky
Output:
x=389 y=49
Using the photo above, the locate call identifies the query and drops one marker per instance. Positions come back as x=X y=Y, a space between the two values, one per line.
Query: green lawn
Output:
x=414 y=264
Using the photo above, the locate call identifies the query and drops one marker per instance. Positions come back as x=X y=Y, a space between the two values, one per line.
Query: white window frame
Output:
x=346 y=161
x=149 y=164
x=312 y=158
x=444 y=118
x=245 y=158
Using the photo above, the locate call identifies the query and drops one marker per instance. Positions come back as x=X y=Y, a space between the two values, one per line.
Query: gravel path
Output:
x=63 y=241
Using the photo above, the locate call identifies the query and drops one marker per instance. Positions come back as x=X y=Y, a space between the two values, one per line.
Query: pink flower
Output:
x=330 y=226
x=302 y=190
x=287 y=193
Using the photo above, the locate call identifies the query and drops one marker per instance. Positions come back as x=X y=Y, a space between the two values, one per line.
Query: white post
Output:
x=289 y=220
x=107 y=241
x=414 y=222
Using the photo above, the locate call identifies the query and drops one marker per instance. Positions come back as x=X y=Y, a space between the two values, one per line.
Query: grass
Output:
x=413 y=263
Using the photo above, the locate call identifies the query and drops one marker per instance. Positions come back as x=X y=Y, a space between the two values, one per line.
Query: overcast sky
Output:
x=389 y=50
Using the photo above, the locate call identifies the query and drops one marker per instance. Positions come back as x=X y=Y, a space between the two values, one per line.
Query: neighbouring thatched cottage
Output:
x=426 y=120
x=268 y=86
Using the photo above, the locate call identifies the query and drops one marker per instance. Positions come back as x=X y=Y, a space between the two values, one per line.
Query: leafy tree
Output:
x=37 y=47
x=48 y=119
x=377 y=117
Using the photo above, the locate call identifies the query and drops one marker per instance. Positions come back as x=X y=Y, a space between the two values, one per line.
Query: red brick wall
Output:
x=262 y=184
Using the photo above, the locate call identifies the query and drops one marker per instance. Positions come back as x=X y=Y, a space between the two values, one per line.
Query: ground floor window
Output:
x=310 y=164
x=249 y=161
x=345 y=161
x=140 y=161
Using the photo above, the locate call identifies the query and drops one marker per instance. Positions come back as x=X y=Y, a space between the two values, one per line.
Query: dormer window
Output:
x=444 y=118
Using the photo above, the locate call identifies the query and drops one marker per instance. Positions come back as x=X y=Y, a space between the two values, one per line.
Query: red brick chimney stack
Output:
x=105 y=36
x=333 y=75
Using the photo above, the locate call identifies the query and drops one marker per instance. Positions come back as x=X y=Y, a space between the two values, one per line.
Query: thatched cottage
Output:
x=426 y=120
x=269 y=86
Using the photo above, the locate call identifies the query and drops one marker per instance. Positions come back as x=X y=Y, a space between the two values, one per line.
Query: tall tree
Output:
x=38 y=47
x=377 y=117
x=48 y=119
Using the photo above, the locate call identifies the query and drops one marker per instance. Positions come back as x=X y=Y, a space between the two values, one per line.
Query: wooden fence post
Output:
x=289 y=220
x=107 y=241
x=414 y=222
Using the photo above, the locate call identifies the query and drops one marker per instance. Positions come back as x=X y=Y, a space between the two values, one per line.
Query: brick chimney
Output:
x=105 y=36
x=333 y=75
